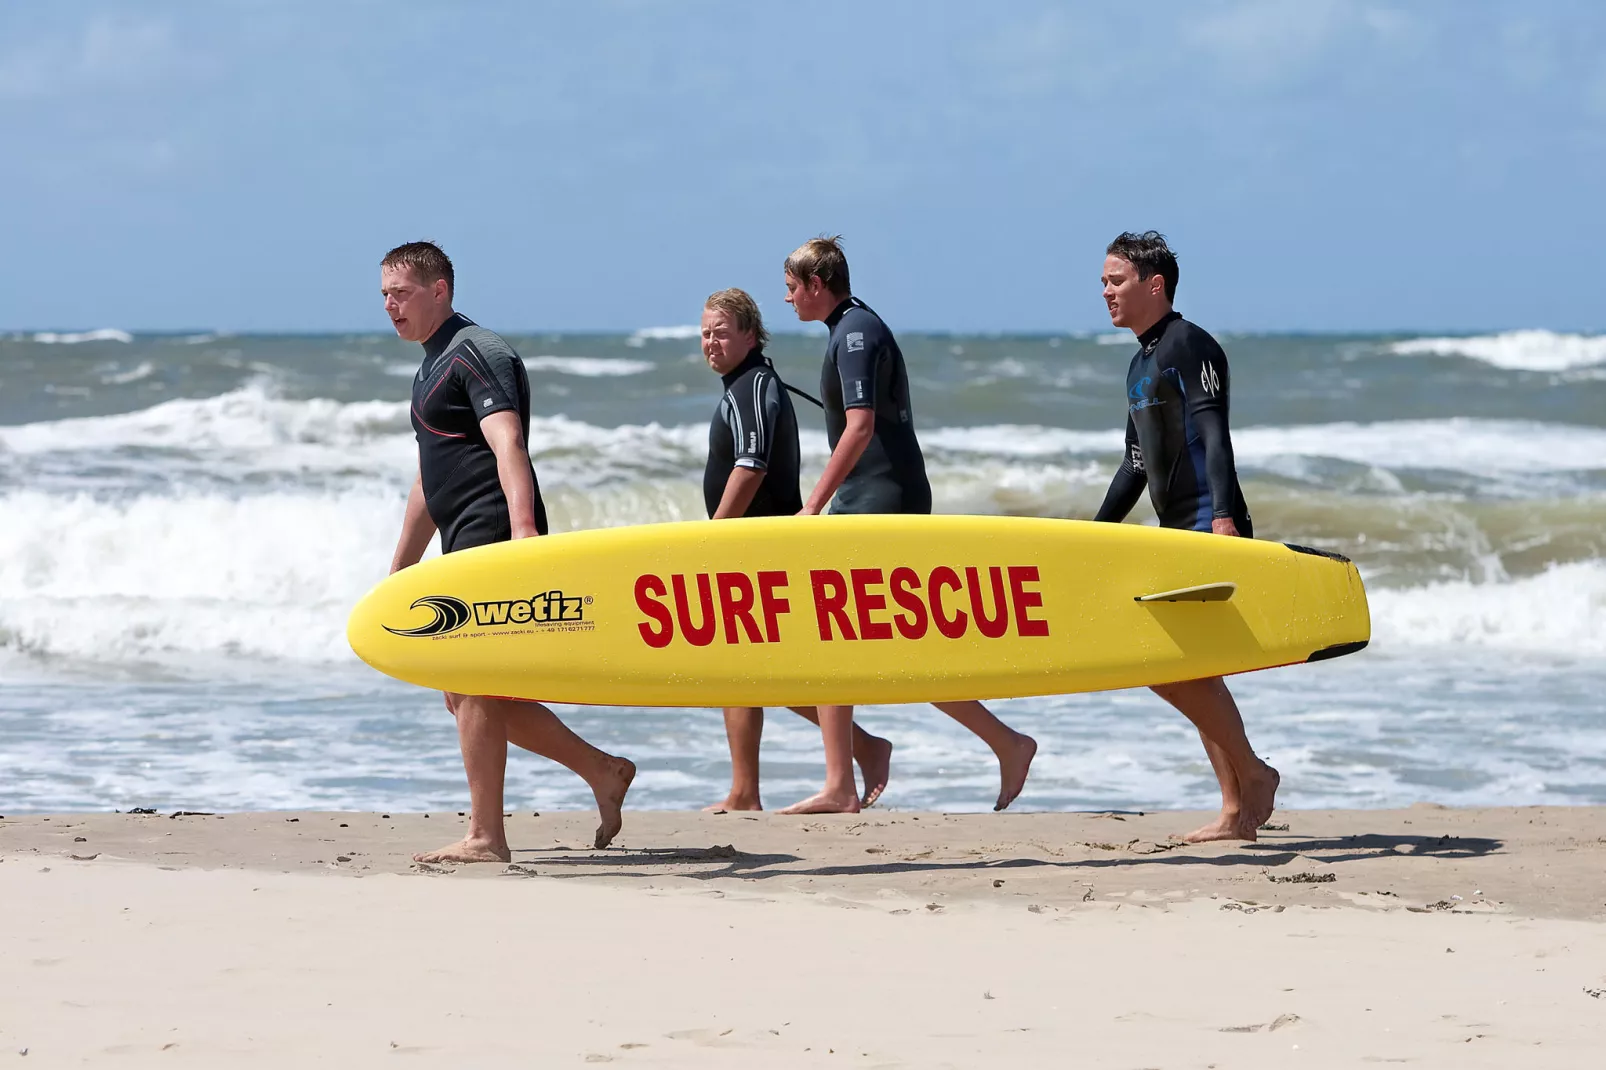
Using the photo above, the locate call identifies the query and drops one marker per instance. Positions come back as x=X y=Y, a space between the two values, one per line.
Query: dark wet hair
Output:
x=426 y=260
x=1149 y=253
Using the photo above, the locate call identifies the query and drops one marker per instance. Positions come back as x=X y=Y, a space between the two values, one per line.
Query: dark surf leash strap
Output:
x=818 y=404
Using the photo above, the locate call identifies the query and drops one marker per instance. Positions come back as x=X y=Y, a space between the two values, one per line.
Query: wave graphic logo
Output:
x=450 y=615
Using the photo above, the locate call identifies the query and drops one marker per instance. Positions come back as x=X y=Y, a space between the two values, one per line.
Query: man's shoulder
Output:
x=1190 y=333
x=859 y=316
x=858 y=326
x=491 y=345
x=756 y=378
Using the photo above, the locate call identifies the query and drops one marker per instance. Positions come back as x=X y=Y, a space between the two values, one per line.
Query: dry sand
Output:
x=1424 y=937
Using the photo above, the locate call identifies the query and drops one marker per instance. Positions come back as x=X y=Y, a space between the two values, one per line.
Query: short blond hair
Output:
x=740 y=306
x=821 y=258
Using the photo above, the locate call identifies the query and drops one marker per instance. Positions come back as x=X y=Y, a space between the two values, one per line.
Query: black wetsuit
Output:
x=864 y=369
x=1177 y=442
x=754 y=427
x=468 y=373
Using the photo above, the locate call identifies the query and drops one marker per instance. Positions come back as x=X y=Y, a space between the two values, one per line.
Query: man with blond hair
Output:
x=475 y=485
x=752 y=471
x=875 y=467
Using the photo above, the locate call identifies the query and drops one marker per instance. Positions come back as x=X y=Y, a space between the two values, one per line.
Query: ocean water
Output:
x=185 y=520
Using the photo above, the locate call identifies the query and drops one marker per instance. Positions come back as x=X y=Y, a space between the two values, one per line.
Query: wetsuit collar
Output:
x=436 y=344
x=842 y=310
x=754 y=359
x=1152 y=335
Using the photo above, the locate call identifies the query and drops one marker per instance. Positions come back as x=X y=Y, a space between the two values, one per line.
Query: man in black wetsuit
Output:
x=1178 y=446
x=875 y=467
x=752 y=471
x=475 y=485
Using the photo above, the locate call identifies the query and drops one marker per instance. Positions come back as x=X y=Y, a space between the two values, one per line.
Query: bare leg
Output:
x=485 y=726
x=873 y=754
x=483 y=740
x=536 y=728
x=840 y=795
x=1015 y=750
x=1248 y=785
x=744 y=728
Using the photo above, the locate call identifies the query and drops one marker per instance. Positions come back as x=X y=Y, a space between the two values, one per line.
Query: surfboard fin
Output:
x=1204 y=592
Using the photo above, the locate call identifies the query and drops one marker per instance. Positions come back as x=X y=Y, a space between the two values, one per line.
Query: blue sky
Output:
x=1320 y=165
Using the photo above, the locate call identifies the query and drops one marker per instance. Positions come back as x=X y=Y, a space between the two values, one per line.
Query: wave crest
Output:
x=1532 y=350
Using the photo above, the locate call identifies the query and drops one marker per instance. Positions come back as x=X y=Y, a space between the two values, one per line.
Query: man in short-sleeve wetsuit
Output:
x=468 y=374
x=875 y=467
x=864 y=369
x=1178 y=445
x=752 y=441
x=475 y=484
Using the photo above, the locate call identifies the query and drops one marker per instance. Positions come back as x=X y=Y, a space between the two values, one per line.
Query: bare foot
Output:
x=1260 y=797
x=1229 y=826
x=875 y=765
x=467 y=850
x=1012 y=769
x=733 y=802
x=823 y=803
x=610 y=794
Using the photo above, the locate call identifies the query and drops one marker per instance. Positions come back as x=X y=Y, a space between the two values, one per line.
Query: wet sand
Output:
x=1428 y=936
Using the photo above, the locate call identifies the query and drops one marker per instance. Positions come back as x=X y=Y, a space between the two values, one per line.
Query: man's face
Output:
x=1133 y=302
x=415 y=308
x=811 y=300
x=724 y=347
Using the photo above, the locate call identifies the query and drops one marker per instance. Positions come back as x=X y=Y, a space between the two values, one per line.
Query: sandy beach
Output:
x=1427 y=936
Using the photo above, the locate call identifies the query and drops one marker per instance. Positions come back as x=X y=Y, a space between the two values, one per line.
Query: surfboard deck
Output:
x=854 y=609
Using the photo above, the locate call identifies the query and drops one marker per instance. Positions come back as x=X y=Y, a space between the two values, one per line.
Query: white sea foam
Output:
x=1458 y=444
x=588 y=367
x=1461 y=444
x=1021 y=440
x=1116 y=338
x=664 y=334
x=1535 y=350
x=254 y=427
x=268 y=576
x=105 y=334
x=247 y=418
x=118 y=378
x=1561 y=611
x=271 y=576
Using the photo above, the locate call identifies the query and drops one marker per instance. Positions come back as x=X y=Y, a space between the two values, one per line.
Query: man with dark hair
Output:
x=1179 y=448
x=475 y=485
x=875 y=467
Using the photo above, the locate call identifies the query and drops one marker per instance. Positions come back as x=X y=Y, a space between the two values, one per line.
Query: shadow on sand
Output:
x=724 y=861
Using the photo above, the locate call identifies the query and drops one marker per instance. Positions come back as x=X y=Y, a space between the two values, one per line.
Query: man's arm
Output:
x=1129 y=481
x=417 y=529
x=1219 y=468
x=506 y=438
x=849 y=448
x=740 y=488
x=1204 y=373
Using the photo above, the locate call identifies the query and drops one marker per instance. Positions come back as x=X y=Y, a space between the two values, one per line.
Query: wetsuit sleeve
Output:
x=864 y=346
x=753 y=412
x=1204 y=374
x=487 y=379
x=1129 y=481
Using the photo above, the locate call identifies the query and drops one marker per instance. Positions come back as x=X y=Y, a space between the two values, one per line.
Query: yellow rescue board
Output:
x=854 y=609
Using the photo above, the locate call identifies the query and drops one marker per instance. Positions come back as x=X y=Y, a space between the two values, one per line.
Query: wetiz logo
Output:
x=548 y=607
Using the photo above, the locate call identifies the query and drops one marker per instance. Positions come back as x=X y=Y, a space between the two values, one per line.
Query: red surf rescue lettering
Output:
x=863 y=603
x=994 y=603
x=693 y=607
